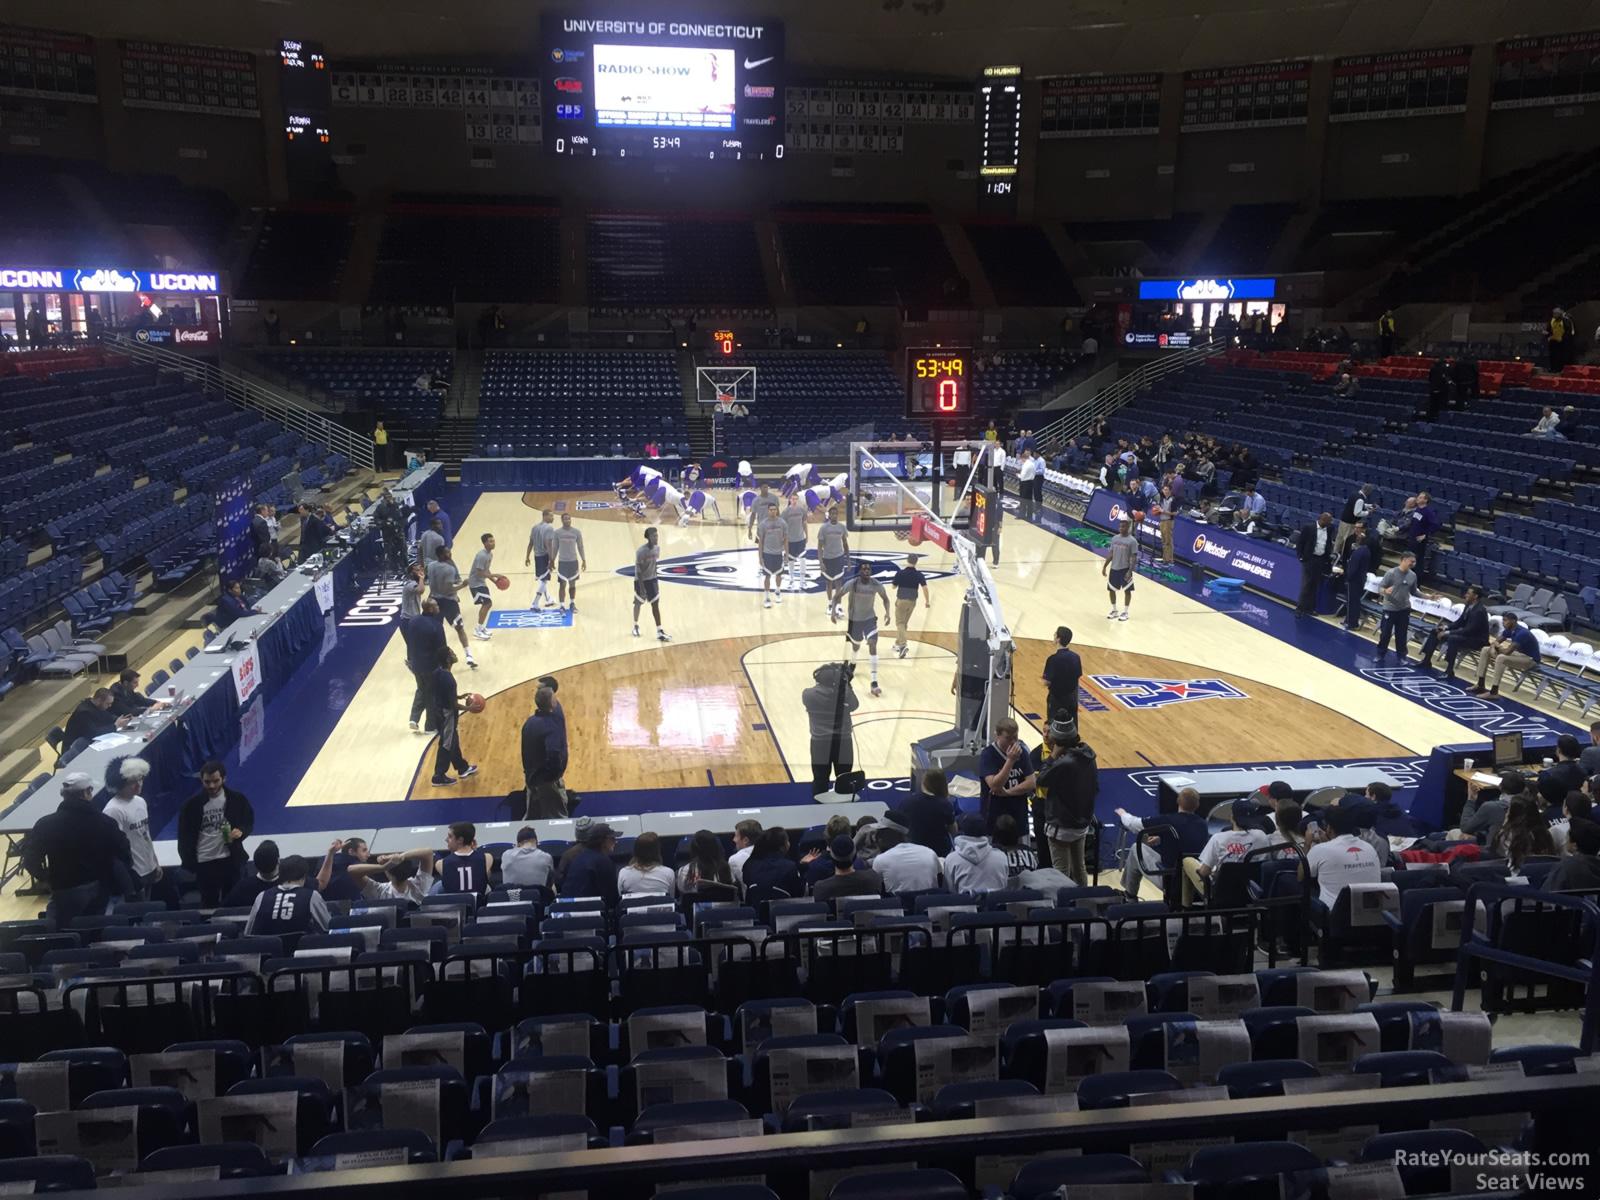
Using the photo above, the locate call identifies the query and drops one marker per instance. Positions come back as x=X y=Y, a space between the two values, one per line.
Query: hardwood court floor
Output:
x=724 y=696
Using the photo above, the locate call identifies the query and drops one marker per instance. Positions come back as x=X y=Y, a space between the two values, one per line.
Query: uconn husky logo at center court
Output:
x=740 y=570
x=1137 y=693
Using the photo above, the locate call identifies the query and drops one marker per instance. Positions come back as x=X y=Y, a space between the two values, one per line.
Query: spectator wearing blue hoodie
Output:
x=975 y=865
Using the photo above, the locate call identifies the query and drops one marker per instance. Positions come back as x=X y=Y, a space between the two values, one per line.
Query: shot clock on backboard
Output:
x=938 y=383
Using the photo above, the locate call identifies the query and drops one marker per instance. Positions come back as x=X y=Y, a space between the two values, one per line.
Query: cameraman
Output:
x=390 y=519
x=829 y=705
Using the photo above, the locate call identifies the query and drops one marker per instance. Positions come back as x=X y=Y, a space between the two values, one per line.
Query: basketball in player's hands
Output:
x=1138 y=514
x=501 y=582
x=475 y=702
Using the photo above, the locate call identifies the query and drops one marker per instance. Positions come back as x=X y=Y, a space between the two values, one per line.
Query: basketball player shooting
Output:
x=478 y=581
x=862 y=593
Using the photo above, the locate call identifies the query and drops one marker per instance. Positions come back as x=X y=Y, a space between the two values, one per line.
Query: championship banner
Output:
x=193 y=79
x=246 y=673
x=1085 y=106
x=1249 y=97
x=1265 y=566
x=1560 y=69
x=869 y=116
x=44 y=64
x=499 y=107
x=1410 y=83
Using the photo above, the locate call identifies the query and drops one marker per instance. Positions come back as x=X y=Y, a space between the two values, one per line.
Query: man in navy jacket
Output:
x=1356 y=565
x=1469 y=631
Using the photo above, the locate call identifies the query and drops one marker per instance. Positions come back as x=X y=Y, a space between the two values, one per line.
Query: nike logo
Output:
x=760 y=62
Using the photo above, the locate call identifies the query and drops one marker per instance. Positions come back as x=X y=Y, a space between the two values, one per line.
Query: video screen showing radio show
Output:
x=1088 y=538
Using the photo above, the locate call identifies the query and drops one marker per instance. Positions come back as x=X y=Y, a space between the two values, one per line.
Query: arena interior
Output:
x=832 y=368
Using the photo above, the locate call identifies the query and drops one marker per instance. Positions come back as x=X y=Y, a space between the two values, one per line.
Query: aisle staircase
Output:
x=459 y=427
x=696 y=417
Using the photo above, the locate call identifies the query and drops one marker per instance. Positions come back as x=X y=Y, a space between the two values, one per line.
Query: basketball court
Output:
x=718 y=708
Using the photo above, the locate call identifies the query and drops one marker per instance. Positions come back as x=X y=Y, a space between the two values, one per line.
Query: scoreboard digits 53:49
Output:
x=938 y=383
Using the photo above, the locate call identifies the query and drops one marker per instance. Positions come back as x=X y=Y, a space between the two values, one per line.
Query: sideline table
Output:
x=205 y=720
x=1226 y=784
x=789 y=816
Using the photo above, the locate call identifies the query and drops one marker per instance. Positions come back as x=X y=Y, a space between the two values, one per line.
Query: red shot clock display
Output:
x=938 y=383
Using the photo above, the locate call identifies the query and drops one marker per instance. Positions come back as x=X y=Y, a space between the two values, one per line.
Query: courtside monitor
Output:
x=1507 y=750
x=663 y=86
x=938 y=384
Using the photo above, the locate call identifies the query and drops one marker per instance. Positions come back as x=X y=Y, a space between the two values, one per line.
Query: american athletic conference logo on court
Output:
x=740 y=570
x=1137 y=692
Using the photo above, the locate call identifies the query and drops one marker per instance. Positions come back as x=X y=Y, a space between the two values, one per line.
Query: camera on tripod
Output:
x=834 y=674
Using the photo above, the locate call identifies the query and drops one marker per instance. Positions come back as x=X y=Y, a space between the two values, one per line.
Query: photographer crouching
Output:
x=829 y=704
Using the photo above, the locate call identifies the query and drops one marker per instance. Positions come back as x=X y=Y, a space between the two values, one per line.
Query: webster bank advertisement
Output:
x=1263 y=565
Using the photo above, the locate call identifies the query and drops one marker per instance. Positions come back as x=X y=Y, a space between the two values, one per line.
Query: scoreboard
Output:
x=938 y=383
x=618 y=86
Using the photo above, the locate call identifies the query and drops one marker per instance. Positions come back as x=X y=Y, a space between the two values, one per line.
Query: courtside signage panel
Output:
x=665 y=86
x=1207 y=289
x=107 y=279
x=1265 y=566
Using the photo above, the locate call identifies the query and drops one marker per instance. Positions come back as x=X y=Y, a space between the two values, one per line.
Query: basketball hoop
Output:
x=725 y=386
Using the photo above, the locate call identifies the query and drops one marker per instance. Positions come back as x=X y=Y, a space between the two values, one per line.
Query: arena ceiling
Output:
x=906 y=37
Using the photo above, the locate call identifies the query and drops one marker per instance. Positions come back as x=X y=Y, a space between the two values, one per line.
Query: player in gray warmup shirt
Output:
x=646 y=587
x=1121 y=557
x=444 y=581
x=833 y=548
x=428 y=543
x=541 y=550
x=772 y=535
x=862 y=594
x=478 y=581
x=569 y=554
x=794 y=522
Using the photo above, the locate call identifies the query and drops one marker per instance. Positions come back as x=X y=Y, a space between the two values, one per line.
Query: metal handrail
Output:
x=245 y=392
x=1079 y=419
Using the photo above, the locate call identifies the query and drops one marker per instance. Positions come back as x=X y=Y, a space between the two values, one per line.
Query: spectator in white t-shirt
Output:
x=1229 y=846
x=745 y=834
x=125 y=777
x=407 y=876
x=645 y=874
x=1340 y=857
x=525 y=865
x=905 y=866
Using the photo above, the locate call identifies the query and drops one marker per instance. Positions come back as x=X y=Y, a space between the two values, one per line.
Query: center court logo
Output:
x=1137 y=693
x=740 y=570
